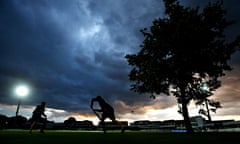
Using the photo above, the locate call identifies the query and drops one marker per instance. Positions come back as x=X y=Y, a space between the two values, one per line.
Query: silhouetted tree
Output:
x=16 y=121
x=209 y=103
x=206 y=90
x=69 y=122
x=3 y=121
x=180 y=51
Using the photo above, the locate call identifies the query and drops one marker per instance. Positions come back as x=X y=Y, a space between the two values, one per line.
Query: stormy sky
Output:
x=69 y=51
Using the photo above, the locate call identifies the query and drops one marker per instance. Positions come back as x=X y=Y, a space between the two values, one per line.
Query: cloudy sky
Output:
x=69 y=51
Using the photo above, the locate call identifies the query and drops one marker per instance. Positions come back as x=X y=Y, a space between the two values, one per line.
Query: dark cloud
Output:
x=71 y=51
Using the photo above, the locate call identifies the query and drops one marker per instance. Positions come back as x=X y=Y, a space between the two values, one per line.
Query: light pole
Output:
x=21 y=91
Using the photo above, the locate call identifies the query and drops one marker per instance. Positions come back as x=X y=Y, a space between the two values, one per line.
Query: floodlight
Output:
x=22 y=91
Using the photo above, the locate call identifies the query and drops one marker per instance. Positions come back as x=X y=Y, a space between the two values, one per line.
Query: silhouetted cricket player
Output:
x=37 y=117
x=106 y=111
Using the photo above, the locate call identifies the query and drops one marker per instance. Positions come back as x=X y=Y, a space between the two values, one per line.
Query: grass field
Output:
x=115 y=137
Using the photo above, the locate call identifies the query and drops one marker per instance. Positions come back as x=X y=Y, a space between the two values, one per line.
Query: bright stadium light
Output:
x=21 y=91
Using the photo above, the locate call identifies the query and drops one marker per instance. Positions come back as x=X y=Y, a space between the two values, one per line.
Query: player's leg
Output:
x=103 y=123
x=43 y=121
x=33 y=122
x=113 y=118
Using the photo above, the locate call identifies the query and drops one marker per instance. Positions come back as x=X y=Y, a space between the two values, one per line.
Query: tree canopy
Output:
x=181 y=51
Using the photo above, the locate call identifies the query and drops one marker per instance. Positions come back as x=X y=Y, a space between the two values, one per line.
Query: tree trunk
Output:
x=187 y=121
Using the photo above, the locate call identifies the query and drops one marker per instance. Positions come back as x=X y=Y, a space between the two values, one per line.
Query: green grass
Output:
x=115 y=137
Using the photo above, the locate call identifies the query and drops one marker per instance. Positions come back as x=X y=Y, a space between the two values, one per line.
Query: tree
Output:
x=16 y=121
x=202 y=99
x=3 y=121
x=70 y=122
x=182 y=50
x=208 y=102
